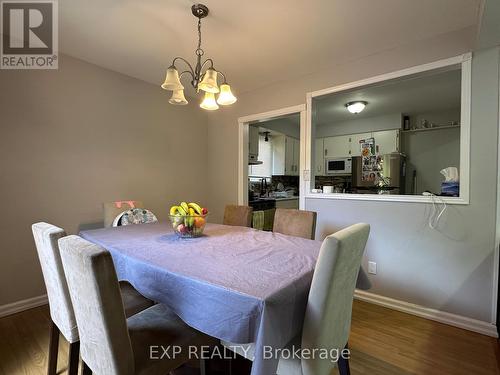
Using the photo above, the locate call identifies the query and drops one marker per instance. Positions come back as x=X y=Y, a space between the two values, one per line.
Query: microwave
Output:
x=338 y=166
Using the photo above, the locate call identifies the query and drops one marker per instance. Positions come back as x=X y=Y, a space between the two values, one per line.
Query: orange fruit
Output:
x=199 y=221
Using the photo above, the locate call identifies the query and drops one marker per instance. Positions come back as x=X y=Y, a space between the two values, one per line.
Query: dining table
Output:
x=233 y=283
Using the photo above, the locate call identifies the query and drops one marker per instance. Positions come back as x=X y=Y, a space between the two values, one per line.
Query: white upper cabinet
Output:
x=289 y=162
x=319 y=158
x=296 y=156
x=253 y=139
x=386 y=141
x=286 y=156
x=355 y=145
x=337 y=147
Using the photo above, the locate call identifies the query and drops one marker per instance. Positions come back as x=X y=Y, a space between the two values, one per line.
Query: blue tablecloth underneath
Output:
x=233 y=283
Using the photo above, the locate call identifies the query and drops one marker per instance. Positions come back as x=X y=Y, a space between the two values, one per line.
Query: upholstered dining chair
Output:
x=113 y=209
x=295 y=223
x=238 y=215
x=110 y=343
x=61 y=310
x=327 y=320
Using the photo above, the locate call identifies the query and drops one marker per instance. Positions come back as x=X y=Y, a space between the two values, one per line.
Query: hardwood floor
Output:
x=383 y=342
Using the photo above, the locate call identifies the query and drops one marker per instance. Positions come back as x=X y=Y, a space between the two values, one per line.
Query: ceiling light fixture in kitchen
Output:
x=356 y=107
x=201 y=79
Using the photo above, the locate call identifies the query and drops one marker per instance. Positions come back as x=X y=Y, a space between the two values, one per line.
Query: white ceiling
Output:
x=411 y=96
x=255 y=42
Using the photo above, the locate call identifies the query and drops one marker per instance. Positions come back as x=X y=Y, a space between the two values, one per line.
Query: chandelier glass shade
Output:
x=209 y=102
x=203 y=77
x=178 y=98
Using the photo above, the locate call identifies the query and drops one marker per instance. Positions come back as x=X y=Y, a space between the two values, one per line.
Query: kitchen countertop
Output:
x=287 y=198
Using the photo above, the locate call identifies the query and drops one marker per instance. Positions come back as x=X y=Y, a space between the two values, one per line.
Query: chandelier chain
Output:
x=199 y=50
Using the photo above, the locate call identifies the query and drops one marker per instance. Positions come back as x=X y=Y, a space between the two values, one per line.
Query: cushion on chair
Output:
x=133 y=301
x=159 y=326
x=61 y=309
x=135 y=216
x=295 y=223
x=258 y=220
x=113 y=209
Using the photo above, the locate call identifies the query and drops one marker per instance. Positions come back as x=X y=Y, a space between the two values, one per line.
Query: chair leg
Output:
x=53 y=349
x=74 y=358
x=86 y=369
x=204 y=367
x=343 y=364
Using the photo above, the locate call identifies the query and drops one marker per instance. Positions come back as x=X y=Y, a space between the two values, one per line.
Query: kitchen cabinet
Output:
x=296 y=157
x=387 y=141
x=319 y=158
x=337 y=147
x=278 y=155
x=340 y=146
x=253 y=142
x=286 y=155
x=289 y=156
x=355 y=146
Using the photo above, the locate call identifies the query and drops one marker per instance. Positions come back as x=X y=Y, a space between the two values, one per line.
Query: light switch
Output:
x=372 y=268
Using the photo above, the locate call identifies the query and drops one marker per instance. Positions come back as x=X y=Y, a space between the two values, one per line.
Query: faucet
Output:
x=263 y=187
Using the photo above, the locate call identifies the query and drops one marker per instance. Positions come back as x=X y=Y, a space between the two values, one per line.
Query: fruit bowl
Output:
x=188 y=219
x=188 y=226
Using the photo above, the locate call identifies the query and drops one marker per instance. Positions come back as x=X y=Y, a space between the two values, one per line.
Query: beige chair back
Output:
x=95 y=293
x=327 y=320
x=61 y=310
x=238 y=215
x=295 y=223
x=113 y=209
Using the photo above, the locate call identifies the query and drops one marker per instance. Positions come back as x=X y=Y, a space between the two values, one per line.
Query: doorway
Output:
x=272 y=159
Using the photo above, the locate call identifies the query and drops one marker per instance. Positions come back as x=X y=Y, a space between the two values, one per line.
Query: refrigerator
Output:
x=392 y=168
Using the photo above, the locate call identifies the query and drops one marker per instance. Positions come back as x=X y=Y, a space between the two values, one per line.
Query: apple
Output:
x=182 y=228
x=204 y=211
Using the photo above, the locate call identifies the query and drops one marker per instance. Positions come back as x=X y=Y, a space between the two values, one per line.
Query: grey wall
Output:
x=451 y=270
x=428 y=153
x=79 y=136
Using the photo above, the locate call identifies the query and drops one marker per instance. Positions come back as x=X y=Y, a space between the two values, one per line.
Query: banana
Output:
x=181 y=211
x=173 y=210
x=185 y=207
x=190 y=220
x=196 y=207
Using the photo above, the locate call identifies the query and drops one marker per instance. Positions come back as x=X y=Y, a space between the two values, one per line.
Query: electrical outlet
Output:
x=372 y=268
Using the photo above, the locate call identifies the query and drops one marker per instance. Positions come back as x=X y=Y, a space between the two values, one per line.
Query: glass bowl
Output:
x=187 y=226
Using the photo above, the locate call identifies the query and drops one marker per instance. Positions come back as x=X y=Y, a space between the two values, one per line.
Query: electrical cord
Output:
x=435 y=216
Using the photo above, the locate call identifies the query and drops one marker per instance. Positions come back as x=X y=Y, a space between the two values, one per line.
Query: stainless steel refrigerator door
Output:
x=394 y=168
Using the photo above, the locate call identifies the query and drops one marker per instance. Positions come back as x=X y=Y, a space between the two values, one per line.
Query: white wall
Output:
x=287 y=126
x=79 y=136
x=451 y=270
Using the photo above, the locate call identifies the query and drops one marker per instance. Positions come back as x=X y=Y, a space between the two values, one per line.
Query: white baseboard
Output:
x=470 y=324
x=25 y=304
x=459 y=321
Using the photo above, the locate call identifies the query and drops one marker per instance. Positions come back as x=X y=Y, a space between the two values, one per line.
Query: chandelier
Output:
x=203 y=75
